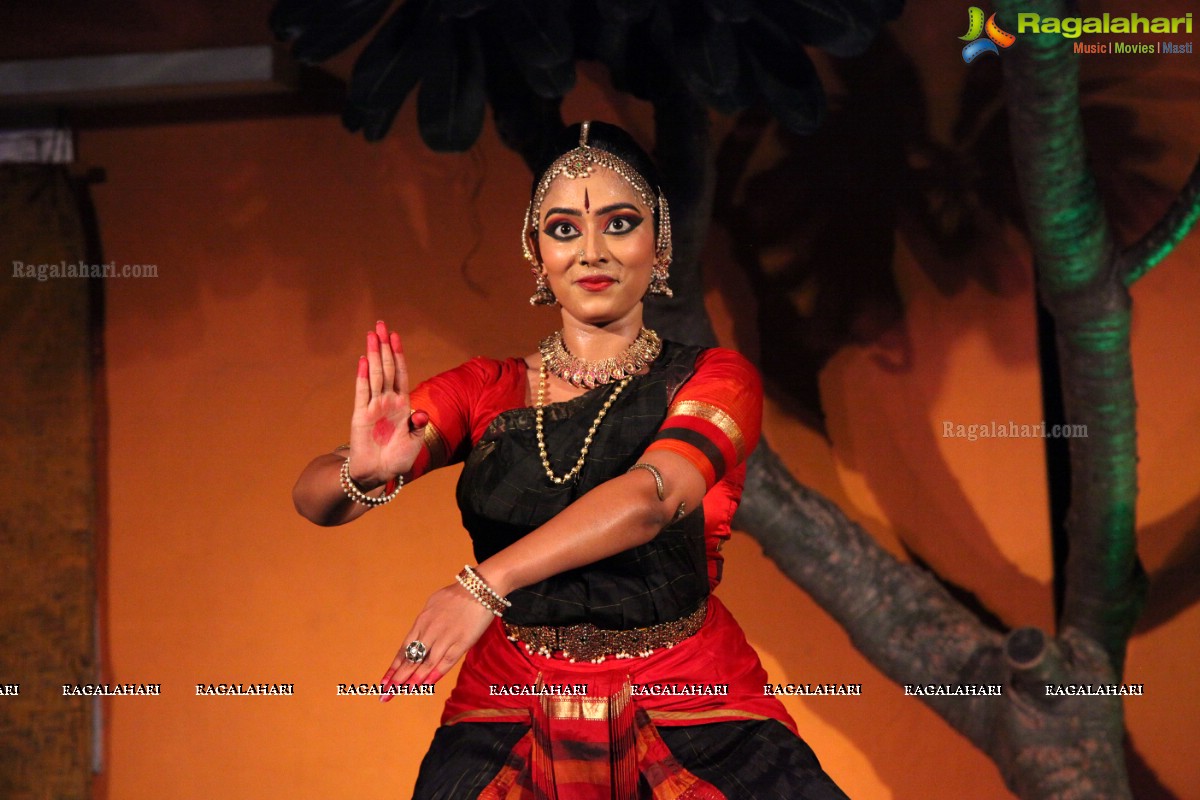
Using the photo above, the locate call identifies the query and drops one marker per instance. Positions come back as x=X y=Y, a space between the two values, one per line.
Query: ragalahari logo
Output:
x=996 y=36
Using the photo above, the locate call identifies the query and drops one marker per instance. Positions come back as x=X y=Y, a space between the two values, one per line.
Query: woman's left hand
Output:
x=450 y=623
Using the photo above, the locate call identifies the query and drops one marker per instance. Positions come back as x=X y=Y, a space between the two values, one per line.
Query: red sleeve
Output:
x=461 y=403
x=714 y=419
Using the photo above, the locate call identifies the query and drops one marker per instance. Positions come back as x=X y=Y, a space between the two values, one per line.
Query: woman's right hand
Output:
x=385 y=433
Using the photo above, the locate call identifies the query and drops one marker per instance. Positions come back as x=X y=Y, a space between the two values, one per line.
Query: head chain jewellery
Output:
x=580 y=163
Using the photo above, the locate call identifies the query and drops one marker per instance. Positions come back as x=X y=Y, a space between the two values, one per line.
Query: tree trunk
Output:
x=1079 y=282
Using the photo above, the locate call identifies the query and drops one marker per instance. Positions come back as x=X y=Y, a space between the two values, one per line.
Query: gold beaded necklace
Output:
x=587 y=440
x=641 y=352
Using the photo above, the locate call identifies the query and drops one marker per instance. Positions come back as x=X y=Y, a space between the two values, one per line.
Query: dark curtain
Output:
x=51 y=418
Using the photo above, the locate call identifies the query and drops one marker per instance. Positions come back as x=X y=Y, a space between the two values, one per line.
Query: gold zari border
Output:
x=435 y=443
x=710 y=413
x=587 y=707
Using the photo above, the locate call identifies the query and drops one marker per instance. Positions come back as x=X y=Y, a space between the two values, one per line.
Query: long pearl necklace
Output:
x=587 y=440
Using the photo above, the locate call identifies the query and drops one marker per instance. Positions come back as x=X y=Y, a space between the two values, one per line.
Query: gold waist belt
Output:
x=586 y=642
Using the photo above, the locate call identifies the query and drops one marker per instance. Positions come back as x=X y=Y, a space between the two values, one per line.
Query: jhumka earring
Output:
x=542 y=295
x=661 y=269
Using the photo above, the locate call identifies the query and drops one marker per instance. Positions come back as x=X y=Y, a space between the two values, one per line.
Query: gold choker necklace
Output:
x=590 y=374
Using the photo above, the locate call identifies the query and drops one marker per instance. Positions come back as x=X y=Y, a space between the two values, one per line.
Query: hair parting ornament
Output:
x=580 y=163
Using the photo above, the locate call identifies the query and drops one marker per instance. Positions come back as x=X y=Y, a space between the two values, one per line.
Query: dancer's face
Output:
x=596 y=241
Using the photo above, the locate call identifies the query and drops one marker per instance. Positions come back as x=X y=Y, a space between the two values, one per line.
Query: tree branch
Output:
x=1054 y=747
x=1166 y=234
x=896 y=614
x=1079 y=283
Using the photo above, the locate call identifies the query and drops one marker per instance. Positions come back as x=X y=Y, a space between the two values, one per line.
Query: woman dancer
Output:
x=600 y=477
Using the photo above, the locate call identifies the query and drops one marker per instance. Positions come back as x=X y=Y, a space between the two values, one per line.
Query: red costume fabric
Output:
x=594 y=727
x=673 y=685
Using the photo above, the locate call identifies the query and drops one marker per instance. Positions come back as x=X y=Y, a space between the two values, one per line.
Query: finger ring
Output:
x=416 y=652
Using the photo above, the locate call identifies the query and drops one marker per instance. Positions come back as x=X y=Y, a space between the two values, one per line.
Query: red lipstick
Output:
x=596 y=283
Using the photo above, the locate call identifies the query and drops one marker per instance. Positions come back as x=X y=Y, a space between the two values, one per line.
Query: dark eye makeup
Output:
x=626 y=223
x=562 y=230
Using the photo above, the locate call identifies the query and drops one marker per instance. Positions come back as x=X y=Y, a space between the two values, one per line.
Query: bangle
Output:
x=653 y=470
x=362 y=498
x=471 y=580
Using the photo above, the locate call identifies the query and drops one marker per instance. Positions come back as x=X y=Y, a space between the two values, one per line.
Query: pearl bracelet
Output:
x=359 y=496
x=470 y=580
